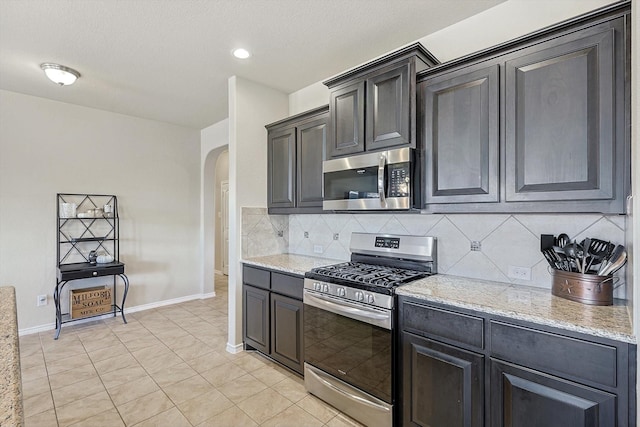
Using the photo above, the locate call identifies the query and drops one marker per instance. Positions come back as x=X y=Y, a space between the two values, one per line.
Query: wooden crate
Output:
x=89 y=301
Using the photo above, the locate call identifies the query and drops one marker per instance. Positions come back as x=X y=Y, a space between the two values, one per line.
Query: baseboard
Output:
x=51 y=326
x=234 y=349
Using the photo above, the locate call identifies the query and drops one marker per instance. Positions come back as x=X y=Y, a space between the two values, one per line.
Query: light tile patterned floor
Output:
x=166 y=367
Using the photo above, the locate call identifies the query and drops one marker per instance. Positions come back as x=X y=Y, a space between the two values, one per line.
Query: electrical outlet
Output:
x=336 y=236
x=318 y=249
x=42 y=300
x=280 y=233
x=306 y=234
x=519 y=273
x=475 y=245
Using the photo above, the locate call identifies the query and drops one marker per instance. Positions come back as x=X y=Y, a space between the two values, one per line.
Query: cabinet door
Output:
x=388 y=109
x=311 y=142
x=461 y=136
x=286 y=331
x=441 y=385
x=347 y=120
x=559 y=120
x=525 y=398
x=281 y=168
x=256 y=318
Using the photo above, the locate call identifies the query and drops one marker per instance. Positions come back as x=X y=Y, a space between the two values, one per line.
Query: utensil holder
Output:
x=585 y=288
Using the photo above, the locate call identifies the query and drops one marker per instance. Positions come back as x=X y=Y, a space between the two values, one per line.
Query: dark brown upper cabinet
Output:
x=462 y=136
x=372 y=107
x=281 y=168
x=537 y=124
x=560 y=118
x=296 y=148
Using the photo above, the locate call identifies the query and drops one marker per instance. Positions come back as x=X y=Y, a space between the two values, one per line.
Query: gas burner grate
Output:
x=369 y=274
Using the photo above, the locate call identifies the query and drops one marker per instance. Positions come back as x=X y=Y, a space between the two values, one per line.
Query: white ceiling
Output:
x=169 y=60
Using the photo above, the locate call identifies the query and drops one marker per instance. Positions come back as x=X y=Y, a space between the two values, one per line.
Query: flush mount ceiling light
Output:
x=241 y=53
x=60 y=74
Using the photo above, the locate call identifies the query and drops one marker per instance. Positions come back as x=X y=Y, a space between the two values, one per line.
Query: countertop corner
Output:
x=289 y=263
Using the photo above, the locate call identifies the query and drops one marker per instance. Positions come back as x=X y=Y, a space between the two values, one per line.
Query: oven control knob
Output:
x=325 y=288
x=359 y=296
x=341 y=292
x=316 y=286
x=370 y=299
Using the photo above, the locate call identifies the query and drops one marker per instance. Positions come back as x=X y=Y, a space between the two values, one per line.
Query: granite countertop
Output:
x=11 y=413
x=524 y=303
x=290 y=263
x=504 y=299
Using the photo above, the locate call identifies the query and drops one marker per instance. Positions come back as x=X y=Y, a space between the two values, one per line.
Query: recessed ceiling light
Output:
x=60 y=74
x=241 y=53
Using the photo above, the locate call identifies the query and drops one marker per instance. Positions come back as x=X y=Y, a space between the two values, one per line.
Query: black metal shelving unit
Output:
x=79 y=232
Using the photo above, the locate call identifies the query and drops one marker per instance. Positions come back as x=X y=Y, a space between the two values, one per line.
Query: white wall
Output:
x=251 y=107
x=48 y=147
x=214 y=141
x=505 y=21
x=308 y=98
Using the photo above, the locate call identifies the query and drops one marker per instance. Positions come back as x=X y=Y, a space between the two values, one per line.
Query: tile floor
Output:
x=166 y=367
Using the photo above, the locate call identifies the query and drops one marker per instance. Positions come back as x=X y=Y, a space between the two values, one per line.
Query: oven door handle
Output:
x=348 y=309
x=381 y=187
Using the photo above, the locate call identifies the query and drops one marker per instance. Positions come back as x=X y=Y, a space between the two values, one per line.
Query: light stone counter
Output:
x=504 y=299
x=11 y=413
x=524 y=303
x=290 y=263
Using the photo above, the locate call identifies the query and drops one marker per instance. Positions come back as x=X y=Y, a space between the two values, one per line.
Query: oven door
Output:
x=352 y=342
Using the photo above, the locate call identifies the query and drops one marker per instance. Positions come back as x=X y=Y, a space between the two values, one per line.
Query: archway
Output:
x=215 y=170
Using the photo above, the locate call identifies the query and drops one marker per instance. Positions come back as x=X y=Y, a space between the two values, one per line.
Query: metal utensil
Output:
x=562 y=240
x=615 y=262
x=552 y=258
x=598 y=251
x=612 y=257
x=574 y=251
x=617 y=265
x=586 y=243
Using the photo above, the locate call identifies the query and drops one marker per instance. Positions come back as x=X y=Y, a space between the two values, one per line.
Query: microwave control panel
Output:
x=398 y=180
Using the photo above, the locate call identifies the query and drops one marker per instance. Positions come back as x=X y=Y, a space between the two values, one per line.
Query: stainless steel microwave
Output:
x=383 y=180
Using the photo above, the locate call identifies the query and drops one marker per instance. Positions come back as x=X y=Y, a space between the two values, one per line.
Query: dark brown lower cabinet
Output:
x=286 y=331
x=523 y=397
x=272 y=315
x=468 y=368
x=256 y=318
x=442 y=384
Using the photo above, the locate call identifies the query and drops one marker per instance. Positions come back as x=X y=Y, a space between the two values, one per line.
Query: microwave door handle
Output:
x=381 y=192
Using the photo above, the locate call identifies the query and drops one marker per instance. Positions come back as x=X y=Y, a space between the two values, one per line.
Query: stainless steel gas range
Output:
x=349 y=321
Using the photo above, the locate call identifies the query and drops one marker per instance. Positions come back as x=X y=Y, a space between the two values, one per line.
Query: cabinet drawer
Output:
x=555 y=354
x=287 y=285
x=456 y=328
x=256 y=277
x=86 y=270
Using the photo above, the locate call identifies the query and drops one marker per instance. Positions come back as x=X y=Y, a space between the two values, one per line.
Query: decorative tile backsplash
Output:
x=504 y=240
x=263 y=234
